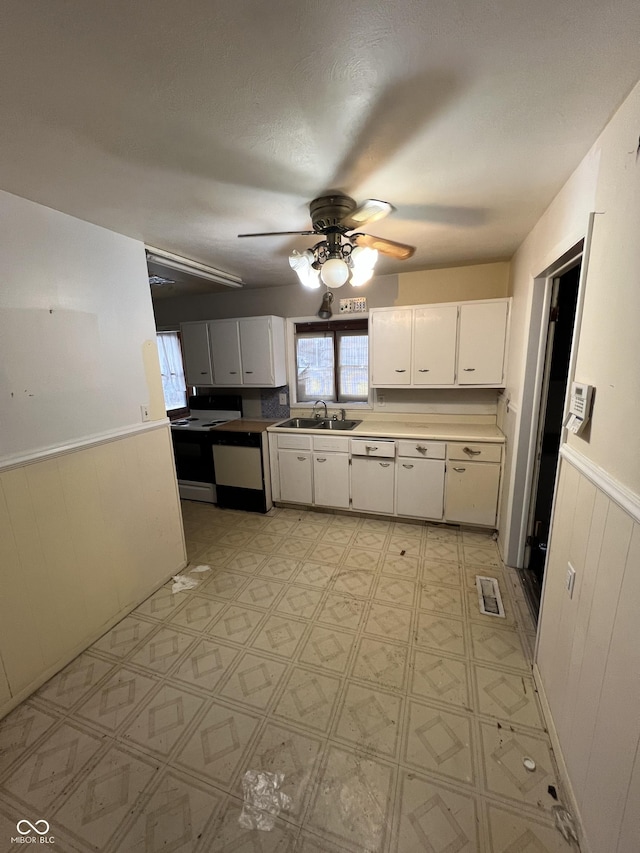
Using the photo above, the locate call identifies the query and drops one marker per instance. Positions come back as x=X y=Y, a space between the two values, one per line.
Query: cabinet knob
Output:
x=472 y=452
x=423 y=370
x=460 y=470
x=401 y=371
x=468 y=369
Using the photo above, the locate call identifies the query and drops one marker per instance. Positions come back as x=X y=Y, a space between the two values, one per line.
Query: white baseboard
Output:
x=572 y=805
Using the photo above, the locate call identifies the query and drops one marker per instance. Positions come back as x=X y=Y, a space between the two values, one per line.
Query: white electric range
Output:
x=192 y=445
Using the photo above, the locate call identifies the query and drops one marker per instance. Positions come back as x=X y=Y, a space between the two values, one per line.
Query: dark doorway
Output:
x=562 y=314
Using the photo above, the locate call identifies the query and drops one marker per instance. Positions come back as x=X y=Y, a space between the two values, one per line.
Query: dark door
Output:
x=560 y=335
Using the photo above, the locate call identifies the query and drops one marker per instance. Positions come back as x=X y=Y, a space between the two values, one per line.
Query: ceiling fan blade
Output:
x=400 y=251
x=280 y=233
x=370 y=210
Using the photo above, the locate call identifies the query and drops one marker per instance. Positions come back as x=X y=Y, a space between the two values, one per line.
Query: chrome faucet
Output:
x=343 y=415
x=317 y=414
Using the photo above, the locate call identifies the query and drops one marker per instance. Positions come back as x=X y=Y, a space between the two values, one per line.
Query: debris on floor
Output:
x=263 y=802
x=181 y=583
x=202 y=568
x=565 y=823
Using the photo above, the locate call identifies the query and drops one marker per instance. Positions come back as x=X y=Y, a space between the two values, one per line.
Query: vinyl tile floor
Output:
x=347 y=654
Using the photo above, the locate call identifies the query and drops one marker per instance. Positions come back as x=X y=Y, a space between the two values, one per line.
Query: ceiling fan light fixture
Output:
x=303 y=265
x=334 y=272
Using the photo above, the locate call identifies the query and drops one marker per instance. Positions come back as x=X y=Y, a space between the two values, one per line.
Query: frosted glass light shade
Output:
x=360 y=277
x=364 y=258
x=334 y=272
x=301 y=263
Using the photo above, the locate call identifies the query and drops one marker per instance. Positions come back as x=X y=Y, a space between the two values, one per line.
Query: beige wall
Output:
x=589 y=658
x=588 y=645
x=453 y=284
x=84 y=537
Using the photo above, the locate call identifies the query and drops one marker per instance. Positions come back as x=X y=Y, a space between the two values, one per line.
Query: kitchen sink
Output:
x=301 y=423
x=318 y=423
x=339 y=425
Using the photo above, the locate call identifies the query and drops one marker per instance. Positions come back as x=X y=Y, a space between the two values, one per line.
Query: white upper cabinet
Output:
x=434 y=345
x=481 y=343
x=439 y=346
x=262 y=353
x=391 y=347
x=197 y=354
x=225 y=352
x=231 y=353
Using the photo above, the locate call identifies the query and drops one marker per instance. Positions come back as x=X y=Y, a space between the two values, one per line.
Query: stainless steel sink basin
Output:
x=339 y=425
x=318 y=423
x=301 y=423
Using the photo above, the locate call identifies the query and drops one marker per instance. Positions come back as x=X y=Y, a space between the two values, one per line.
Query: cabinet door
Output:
x=372 y=484
x=225 y=351
x=256 y=351
x=420 y=487
x=296 y=483
x=471 y=495
x=331 y=479
x=481 y=343
x=434 y=345
x=197 y=357
x=391 y=348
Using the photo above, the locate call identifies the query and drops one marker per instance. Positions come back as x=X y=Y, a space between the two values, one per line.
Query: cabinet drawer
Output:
x=422 y=449
x=331 y=443
x=373 y=447
x=294 y=442
x=475 y=452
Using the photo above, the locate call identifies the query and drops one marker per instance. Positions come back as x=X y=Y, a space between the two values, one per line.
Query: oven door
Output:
x=193 y=455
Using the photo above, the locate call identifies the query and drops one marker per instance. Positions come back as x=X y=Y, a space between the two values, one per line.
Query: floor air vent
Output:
x=489 y=597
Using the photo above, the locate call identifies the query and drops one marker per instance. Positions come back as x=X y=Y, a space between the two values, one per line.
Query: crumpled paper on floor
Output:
x=181 y=583
x=200 y=569
x=263 y=802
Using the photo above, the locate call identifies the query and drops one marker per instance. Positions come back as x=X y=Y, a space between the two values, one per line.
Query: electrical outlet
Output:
x=282 y=398
x=144 y=411
x=381 y=400
x=571 y=579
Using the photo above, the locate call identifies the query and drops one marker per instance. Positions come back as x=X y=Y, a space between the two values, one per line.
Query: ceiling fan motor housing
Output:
x=328 y=211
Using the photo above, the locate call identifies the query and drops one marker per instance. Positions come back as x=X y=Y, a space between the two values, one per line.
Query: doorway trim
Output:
x=527 y=431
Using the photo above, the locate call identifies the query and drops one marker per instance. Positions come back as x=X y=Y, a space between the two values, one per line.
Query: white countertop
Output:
x=405 y=429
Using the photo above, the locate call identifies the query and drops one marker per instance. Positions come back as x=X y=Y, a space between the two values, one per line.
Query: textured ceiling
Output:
x=185 y=123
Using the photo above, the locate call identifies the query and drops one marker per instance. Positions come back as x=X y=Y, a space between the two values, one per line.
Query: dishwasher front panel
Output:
x=240 y=467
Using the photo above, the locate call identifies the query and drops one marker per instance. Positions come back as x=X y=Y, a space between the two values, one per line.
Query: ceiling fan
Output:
x=333 y=217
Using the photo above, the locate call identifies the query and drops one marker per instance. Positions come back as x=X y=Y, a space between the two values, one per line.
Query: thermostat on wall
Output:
x=353 y=305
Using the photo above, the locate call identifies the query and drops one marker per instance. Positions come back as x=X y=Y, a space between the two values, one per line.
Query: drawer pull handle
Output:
x=203 y=373
x=248 y=371
x=401 y=371
x=407 y=466
x=370 y=448
x=322 y=460
x=384 y=464
x=460 y=470
x=303 y=458
x=423 y=370
x=232 y=372
x=469 y=369
x=420 y=448
x=472 y=452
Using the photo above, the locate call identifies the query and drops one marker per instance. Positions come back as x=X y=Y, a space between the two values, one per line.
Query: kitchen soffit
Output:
x=182 y=126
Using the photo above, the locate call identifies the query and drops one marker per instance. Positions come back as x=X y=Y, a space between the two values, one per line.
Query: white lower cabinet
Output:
x=331 y=479
x=296 y=476
x=372 y=484
x=471 y=495
x=420 y=487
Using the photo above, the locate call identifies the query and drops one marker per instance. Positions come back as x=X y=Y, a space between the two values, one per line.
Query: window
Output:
x=332 y=361
x=172 y=370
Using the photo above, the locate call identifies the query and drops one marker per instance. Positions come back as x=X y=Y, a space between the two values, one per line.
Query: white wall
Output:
x=587 y=652
x=90 y=520
x=77 y=336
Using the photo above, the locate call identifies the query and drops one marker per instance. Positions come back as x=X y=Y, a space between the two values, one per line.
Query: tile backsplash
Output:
x=270 y=404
